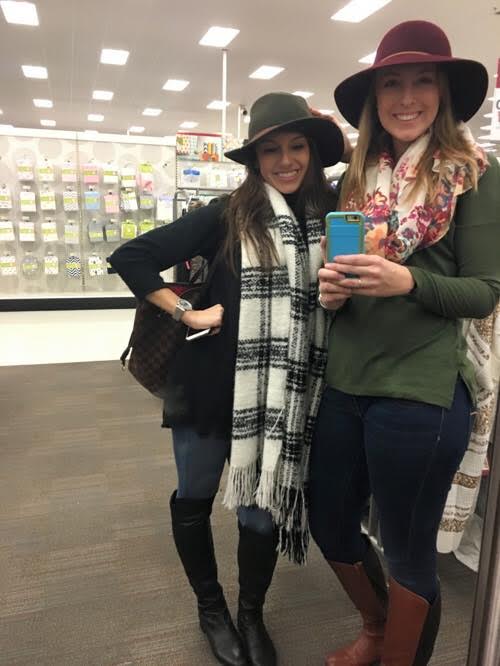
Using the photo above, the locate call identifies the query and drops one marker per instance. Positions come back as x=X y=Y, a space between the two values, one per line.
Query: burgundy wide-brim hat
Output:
x=410 y=43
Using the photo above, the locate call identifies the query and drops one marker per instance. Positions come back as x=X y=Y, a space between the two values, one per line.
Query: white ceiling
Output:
x=162 y=37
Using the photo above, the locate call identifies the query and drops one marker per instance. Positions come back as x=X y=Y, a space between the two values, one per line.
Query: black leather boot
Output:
x=257 y=557
x=193 y=539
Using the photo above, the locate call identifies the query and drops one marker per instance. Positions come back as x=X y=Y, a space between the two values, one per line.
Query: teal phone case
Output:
x=345 y=233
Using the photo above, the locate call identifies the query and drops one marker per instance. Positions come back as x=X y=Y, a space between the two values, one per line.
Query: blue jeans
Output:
x=200 y=462
x=403 y=452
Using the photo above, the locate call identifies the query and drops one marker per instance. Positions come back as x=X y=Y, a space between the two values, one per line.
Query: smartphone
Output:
x=194 y=335
x=345 y=234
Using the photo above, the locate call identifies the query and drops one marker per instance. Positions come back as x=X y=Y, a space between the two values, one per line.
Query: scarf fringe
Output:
x=286 y=505
x=240 y=488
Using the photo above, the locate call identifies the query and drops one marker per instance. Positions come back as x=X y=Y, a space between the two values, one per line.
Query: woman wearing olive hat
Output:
x=396 y=415
x=249 y=391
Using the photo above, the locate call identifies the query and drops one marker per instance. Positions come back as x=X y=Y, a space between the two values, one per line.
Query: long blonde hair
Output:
x=445 y=138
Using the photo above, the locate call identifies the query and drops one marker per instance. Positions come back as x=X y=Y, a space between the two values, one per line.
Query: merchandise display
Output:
x=66 y=204
x=201 y=168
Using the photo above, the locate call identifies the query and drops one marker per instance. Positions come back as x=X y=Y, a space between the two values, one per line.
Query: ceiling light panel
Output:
x=43 y=103
x=114 y=56
x=217 y=105
x=35 y=72
x=136 y=129
x=266 y=72
x=148 y=111
x=48 y=123
x=175 y=84
x=303 y=93
x=368 y=59
x=95 y=117
x=188 y=124
x=103 y=95
x=357 y=10
x=217 y=36
x=21 y=13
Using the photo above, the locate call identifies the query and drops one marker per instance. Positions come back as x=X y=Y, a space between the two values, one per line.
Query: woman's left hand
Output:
x=375 y=276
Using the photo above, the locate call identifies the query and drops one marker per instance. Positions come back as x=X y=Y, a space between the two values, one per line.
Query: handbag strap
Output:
x=211 y=268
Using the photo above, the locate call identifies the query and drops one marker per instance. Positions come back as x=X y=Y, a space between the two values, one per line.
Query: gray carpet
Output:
x=88 y=572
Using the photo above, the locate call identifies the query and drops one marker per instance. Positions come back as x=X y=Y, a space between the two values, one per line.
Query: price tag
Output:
x=70 y=201
x=92 y=200
x=30 y=265
x=68 y=173
x=27 y=231
x=7 y=231
x=51 y=265
x=146 y=177
x=8 y=265
x=73 y=266
x=128 y=177
x=96 y=266
x=47 y=200
x=46 y=173
x=111 y=203
x=96 y=234
x=90 y=173
x=5 y=199
x=129 y=229
x=112 y=232
x=146 y=201
x=129 y=201
x=110 y=174
x=27 y=202
x=25 y=170
x=71 y=233
x=49 y=231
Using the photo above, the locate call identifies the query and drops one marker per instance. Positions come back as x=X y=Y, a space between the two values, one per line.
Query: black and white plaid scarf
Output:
x=280 y=363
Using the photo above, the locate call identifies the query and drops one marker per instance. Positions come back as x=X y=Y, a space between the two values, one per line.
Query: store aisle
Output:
x=88 y=572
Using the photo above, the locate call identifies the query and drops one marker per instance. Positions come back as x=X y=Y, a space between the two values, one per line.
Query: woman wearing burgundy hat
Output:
x=396 y=414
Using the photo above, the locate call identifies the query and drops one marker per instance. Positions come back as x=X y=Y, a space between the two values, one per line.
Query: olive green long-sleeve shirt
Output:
x=412 y=346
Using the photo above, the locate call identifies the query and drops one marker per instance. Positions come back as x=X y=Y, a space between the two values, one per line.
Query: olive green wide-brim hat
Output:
x=286 y=112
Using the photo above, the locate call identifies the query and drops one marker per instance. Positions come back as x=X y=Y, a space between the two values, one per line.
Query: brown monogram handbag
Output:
x=156 y=336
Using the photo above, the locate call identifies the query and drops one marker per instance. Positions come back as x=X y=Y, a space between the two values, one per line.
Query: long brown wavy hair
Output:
x=445 y=138
x=248 y=211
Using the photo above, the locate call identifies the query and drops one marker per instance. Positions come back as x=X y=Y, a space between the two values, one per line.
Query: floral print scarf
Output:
x=398 y=225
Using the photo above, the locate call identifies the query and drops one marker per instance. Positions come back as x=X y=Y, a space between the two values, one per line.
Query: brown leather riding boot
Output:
x=411 y=629
x=365 y=584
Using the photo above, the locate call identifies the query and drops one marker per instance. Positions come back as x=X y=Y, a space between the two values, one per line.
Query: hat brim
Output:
x=468 y=84
x=326 y=135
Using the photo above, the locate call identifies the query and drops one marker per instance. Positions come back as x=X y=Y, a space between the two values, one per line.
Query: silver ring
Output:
x=360 y=283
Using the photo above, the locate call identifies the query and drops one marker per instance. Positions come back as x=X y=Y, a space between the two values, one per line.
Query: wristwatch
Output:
x=181 y=307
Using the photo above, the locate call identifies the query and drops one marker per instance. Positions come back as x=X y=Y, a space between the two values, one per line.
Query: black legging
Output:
x=405 y=453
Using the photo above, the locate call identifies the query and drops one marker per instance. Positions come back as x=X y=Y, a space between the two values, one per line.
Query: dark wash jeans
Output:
x=200 y=462
x=403 y=452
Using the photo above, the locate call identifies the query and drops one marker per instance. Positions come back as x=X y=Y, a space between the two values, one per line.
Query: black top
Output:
x=200 y=382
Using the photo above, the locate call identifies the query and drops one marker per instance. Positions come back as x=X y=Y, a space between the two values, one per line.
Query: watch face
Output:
x=184 y=304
